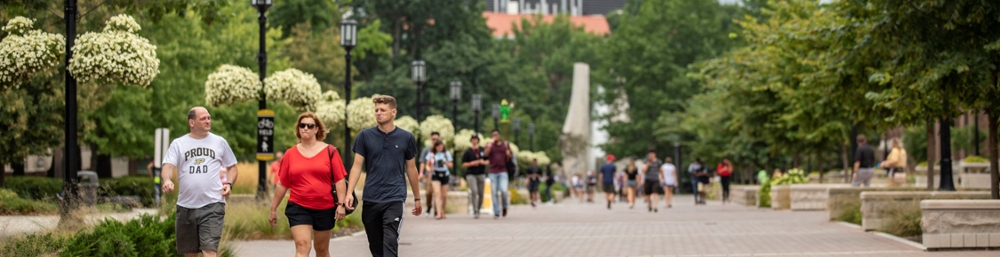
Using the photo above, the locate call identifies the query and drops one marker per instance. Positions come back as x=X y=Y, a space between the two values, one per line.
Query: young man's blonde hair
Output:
x=385 y=99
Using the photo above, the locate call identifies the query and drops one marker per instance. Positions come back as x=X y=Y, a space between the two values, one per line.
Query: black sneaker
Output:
x=656 y=210
x=650 y=209
x=504 y=213
x=609 y=205
x=497 y=216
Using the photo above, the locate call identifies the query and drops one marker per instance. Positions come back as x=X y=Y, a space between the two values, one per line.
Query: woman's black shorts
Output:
x=321 y=220
x=442 y=177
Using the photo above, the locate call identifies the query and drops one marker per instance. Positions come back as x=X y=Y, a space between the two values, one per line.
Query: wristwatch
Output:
x=230 y=185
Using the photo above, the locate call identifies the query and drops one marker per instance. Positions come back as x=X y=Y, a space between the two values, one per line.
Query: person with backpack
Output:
x=311 y=170
x=699 y=180
x=499 y=155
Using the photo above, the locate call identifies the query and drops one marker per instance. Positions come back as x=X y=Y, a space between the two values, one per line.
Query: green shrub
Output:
x=516 y=198
x=764 y=196
x=902 y=219
x=21 y=206
x=7 y=194
x=137 y=185
x=976 y=159
x=143 y=236
x=47 y=244
x=35 y=187
x=851 y=210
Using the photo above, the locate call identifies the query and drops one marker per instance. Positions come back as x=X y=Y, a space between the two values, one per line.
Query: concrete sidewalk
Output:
x=582 y=229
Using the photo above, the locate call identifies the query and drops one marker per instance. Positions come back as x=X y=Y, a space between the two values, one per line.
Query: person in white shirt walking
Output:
x=206 y=169
x=669 y=172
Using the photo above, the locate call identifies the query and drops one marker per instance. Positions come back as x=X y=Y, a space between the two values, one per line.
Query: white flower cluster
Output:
x=123 y=23
x=297 y=88
x=116 y=55
x=25 y=51
x=524 y=158
x=462 y=140
x=361 y=114
x=408 y=123
x=439 y=124
x=231 y=84
x=331 y=109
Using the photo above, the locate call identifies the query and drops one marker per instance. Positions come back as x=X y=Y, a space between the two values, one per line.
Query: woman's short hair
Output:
x=320 y=128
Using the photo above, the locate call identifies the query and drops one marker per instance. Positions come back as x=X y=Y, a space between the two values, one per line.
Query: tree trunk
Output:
x=3 y=176
x=57 y=163
x=822 y=167
x=396 y=38
x=931 y=139
x=18 y=168
x=994 y=165
x=847 y=167
x=103 y=166
x=795 y=160
x=132 y=166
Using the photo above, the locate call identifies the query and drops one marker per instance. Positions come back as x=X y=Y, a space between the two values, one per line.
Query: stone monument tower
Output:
x=575 y=138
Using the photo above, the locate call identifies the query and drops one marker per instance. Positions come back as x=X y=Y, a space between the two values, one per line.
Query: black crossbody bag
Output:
x=333 y=184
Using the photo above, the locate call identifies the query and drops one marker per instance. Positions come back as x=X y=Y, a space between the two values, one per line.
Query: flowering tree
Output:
x=231 y=84
x=462 y=140
x=26 y=51
x=408 y=123
x=524 y=158
x=331 y=109
x=439 y=124
x=115 y=55
x=297 y=88
x=361 y=114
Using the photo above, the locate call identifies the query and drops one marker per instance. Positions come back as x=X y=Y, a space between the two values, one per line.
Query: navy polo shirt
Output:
x=385 y=162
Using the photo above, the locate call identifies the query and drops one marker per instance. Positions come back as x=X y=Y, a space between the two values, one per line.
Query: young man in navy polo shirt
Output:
x=388 y=153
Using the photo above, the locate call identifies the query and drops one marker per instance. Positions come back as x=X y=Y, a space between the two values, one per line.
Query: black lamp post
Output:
x=456 y=94
x=975 y=132
x=71 y=158
x=262 y=6
x=517 y=129
x=946 y=183
x=348 y=39
x=496 y=116
x=477 y=105
x=531 y=136
x=419 y=78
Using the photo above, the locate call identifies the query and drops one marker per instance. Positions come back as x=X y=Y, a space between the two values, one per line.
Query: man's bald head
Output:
x=199 y=120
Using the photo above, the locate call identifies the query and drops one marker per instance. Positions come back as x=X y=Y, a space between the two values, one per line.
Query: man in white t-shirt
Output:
x=669 y=172
x=200 y=158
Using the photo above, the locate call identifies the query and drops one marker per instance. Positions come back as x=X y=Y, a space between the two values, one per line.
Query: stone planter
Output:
x=780 y=197
x=744 y=195
x=458 y=201
x=840 y=200
x=875 y=204
x=811 y=197
x=960 y=224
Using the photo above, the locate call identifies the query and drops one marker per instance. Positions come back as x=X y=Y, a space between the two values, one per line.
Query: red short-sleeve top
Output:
x=309 y=178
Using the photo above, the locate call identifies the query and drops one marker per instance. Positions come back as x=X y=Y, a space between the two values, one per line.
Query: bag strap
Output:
x=333 y=184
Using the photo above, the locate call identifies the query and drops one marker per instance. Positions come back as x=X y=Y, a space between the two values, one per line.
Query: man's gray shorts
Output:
x=864 y=176
x=199 y=229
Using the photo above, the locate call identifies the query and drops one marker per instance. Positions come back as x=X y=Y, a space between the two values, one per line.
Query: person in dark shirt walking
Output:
x=864 y=163
x=475 y=162
x=389 y=154
x=498 y=153
x=607 y=178
x=534 y=174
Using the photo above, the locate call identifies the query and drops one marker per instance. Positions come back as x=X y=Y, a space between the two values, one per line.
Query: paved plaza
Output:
x=583 y=229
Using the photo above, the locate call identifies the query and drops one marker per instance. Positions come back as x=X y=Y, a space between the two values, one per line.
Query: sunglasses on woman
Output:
x=307 y=125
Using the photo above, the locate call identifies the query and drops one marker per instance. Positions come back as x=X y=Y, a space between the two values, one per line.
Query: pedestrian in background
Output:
x=896 y=164
x=669 y=173
x=474 y=162
x=439 y=160
x=725 y=171
x=864 y=164
x=631 y=174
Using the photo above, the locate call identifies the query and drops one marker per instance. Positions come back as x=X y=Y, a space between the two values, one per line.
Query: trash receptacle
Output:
x=88 y=189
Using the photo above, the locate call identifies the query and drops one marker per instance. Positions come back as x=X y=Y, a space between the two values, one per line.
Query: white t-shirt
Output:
x=200 y=163
x=668 y=173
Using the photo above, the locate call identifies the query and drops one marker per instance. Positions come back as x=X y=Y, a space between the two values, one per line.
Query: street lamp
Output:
x=262 y=6
x=71 y=162
x=477 y=105
x=348 y=39
x=517 y=129
x=419 y=77
x=456 y=94
x=496 y=116
x=531 y=136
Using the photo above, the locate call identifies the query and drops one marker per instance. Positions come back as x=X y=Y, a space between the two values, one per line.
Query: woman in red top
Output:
x=308 y=170
x=725 y=170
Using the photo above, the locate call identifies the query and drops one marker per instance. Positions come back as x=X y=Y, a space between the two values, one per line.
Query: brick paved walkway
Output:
x=581 y=229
